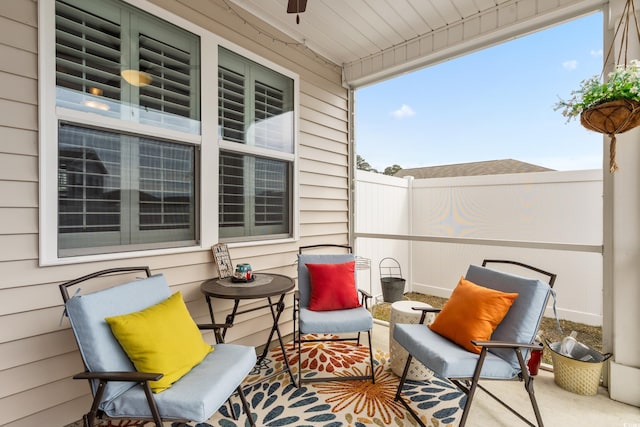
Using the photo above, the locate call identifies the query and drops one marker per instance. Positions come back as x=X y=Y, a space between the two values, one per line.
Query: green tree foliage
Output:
x=362 y=164
x=391 y=170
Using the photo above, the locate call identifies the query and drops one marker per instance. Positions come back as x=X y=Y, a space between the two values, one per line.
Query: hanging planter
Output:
x=612 y=107
x=611 y=118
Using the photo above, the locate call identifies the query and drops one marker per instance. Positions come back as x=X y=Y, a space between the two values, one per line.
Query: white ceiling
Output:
x=377 y=39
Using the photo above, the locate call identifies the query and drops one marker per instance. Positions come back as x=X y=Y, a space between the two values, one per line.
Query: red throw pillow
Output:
x=472 y=313
x=333 y=286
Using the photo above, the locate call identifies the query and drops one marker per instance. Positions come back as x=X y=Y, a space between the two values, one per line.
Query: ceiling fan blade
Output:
x=296 y=6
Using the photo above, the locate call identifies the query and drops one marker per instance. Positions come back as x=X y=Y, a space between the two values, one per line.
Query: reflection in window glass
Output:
x=254 y=196
x=116 y=190
x=255 y=104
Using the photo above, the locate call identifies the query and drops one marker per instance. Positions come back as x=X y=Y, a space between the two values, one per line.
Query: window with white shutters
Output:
x=255 y=112
x=118 y=189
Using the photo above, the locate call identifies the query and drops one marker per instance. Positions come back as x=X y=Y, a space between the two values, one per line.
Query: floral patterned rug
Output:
x=276 y=402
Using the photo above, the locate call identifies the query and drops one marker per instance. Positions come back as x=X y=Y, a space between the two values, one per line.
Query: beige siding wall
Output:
x=38 y=355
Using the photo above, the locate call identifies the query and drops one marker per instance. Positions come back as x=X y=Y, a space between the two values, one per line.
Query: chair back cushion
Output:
x=521 y=323
x=304 y=280
x=99 y=348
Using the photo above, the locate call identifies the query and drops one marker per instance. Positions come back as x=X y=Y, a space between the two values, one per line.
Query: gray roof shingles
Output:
x=489 y=167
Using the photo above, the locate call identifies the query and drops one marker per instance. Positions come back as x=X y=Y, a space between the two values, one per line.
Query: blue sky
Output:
x=492 y=104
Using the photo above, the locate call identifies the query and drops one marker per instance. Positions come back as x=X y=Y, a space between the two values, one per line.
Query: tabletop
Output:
x=278 y=285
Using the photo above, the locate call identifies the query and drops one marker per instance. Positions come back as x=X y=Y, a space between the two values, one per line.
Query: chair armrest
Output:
x=427 y=309
x=214 y=325
x=424 y=311
x=119 y=376
x=505 y=344
x=366 y=296
x=365 y=293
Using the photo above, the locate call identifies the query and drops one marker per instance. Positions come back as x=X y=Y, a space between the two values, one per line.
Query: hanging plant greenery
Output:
x=623 y=83
x=613 y=106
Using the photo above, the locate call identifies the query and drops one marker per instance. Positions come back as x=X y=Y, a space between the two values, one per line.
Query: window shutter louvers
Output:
x=166 y=186
x=231 y=190
x=271 y=192
x=231 y=105
x=89 y=181
x=269 y=103
x=87 y=52
x=171 y=86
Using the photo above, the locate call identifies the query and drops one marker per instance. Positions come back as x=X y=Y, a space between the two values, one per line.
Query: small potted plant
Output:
x=610 y=107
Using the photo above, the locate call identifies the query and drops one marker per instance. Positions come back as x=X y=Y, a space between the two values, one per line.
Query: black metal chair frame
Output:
x=297 y=336
x=469 y=385
x=141 y=378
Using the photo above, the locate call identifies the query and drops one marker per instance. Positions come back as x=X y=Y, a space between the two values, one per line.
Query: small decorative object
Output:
x=610 y=107
x=243 y=273
x=222 y=260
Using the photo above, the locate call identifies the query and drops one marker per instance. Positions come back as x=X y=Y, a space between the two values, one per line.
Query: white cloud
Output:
x=594 y=52
x=570 y=65
x=402 y=112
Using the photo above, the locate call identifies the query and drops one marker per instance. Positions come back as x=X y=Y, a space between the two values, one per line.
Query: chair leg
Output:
x=532 y=396
x=528 y=385
x=403 y=378
x=89 y=419
x=299 y=358
x=398 y=397
x=231 y=410
x=152 y=404
x=245 y=405
x=472 y=389
x=373 y=377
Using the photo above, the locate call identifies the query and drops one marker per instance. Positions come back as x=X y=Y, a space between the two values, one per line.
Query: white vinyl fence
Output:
x=436 y=227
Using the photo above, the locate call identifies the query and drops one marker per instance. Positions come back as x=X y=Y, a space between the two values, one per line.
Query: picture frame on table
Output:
x=222 y=260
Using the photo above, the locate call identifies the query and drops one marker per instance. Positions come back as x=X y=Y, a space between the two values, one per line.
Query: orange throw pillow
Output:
x=472 y=313
x=333 y=286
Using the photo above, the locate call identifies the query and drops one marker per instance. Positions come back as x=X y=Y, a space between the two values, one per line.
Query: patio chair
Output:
x=466 y=349
x=144 y=356
x=326 y=304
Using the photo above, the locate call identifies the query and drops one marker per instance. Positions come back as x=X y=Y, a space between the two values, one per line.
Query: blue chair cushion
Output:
x=523 y=318
x=99 y=348
x=304 y=282
x=446 y=358
x=335 y=321
x=193 y=397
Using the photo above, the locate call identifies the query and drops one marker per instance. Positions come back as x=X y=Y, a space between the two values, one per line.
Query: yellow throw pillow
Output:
x=472 y=313
x=162 y=338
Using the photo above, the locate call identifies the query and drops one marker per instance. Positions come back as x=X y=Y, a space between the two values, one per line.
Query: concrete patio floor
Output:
x=559 y=407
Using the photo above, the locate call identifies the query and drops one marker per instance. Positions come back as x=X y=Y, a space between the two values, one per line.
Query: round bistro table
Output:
x=268 y=286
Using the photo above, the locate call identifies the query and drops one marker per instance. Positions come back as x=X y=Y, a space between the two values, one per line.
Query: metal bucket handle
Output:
x=390 y=268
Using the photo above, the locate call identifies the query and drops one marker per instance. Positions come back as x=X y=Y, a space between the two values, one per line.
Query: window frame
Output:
x=208 y=141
